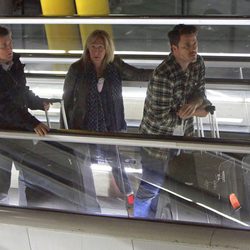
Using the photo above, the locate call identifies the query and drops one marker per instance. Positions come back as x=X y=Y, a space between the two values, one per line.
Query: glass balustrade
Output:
x=169 y=179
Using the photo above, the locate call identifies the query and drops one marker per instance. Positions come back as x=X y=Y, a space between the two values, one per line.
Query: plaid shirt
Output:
x=170 y=88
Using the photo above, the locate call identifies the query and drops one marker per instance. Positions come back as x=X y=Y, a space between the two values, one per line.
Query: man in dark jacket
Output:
x=15 y=96
x=15 y=99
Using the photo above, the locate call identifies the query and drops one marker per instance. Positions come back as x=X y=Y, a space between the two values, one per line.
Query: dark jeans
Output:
x=153 y=176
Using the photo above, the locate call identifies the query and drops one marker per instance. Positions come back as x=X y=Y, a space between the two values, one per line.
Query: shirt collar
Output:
x=7 y=66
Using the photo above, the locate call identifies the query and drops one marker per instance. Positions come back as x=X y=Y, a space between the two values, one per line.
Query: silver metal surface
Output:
x=138 y=142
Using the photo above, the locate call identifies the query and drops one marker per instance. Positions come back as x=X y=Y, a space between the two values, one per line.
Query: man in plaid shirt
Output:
x=176 y=91
x=175 y=94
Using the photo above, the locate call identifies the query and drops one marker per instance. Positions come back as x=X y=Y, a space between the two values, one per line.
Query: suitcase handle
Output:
x=213 y=123
x=61 y=101
x=210 y=109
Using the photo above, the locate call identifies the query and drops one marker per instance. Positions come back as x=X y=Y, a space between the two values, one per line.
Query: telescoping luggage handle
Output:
x=212 y=121
x=61 y=101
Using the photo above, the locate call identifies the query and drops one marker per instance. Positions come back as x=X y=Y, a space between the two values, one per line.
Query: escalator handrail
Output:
x=138 y=140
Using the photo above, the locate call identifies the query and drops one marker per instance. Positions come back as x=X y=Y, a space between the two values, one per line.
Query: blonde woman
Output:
x=93 y=86
x=93 y=100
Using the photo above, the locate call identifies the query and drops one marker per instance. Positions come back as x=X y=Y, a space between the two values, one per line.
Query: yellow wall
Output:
x=61 y=36
x=92 y=8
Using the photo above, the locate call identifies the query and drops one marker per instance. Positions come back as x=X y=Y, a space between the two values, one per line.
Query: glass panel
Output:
x=166 y=184
x=146 y=7
x=145 y=38
x=63 y=176
x=203 y=187
x=52 y=48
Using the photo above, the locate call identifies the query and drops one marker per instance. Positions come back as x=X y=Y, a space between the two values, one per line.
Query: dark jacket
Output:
x=76 y=88
x=16 y=98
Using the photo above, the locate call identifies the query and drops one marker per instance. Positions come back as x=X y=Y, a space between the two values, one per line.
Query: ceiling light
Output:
x=128 y=20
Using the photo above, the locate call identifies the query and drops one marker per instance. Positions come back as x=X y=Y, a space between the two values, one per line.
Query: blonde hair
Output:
x=108 y=44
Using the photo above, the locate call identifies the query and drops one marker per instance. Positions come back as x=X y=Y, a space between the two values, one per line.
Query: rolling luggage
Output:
x=211 y=172
x=216 y=172
x=208 y=178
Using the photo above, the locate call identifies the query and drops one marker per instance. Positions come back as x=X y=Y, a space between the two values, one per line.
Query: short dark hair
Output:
x=4 y=31
x=180 y=29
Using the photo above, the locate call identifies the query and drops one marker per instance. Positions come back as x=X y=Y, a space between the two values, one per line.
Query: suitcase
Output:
x=210 y=177
x=198 y=189
x=199 y=185
x=216 y=172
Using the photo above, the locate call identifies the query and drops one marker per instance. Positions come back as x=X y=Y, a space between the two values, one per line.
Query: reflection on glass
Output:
x=139 y=38
x=124 y=181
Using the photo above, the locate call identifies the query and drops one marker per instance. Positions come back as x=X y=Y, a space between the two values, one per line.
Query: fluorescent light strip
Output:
x=230 y=120
x=40 y=51
x=127 y=21
x=46 y=72
x=222 y=214
x=34 y=82
x=102 y=167
x=218 y=54
x=124 y=52
x=59 y=60
x=75 y=52
x=47 y=60
x=147 y=53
